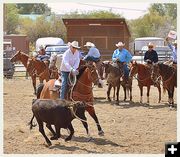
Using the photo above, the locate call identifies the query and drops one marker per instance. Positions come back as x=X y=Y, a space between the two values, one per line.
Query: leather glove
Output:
x=75 y=72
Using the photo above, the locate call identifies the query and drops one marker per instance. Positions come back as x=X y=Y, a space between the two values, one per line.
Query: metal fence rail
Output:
x=20 y=71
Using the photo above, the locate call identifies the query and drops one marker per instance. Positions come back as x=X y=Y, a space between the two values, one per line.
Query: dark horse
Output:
x=144 y=78
x=81 y=91
x=168 y=76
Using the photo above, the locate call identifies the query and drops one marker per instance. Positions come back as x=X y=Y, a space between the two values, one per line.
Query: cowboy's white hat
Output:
x=90 y=44
x=120 y=44
x=41 y=47
x=74 y=44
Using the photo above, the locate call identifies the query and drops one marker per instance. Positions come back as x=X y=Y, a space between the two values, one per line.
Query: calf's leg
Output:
x=41 y=130
x=70 y=127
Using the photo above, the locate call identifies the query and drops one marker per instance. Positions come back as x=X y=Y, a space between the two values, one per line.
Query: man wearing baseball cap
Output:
x=70 y=63
x=123 y=56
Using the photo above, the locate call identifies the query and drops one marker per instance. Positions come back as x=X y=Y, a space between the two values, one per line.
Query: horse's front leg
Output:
x=148 y=90
x=33 y=77
x=114 y=92
x=108 y=91
x=117 y=92
x=159 y=89
x=141 y=93
x=92 y=113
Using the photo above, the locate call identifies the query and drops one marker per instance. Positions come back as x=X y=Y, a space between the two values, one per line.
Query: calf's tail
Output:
x=31 y=123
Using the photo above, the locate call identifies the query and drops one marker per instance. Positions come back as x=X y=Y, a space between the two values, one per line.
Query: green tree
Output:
x=160 y=19
x=33 y=8
x=165 y=9
x=92 y=14
x=11 y=18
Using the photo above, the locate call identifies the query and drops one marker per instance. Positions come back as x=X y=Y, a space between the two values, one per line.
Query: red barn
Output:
x=104 y=33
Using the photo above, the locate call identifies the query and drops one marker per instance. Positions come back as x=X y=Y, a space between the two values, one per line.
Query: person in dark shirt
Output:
x=151 y=55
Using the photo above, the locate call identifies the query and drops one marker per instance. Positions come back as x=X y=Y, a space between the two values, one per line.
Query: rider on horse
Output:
x=151 y=55
x=42 y=56
x=93 y=53
x=70 y=63
x=123 y=56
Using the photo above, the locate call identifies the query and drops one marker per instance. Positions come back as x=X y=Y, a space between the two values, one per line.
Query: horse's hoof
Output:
x=109 y=100
x=49 y=144
x=54 y=138
x=101 y=133
x=68 y=139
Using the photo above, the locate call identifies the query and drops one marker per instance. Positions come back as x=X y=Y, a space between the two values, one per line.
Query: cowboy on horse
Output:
x=70 y=64
x=42 y=56
x=123 y=56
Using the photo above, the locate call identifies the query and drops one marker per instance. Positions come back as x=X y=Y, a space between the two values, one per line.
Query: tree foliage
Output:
x=92 y=14
x=160 y=19
x=43 y=26
x=33 y=8
x=11 y=19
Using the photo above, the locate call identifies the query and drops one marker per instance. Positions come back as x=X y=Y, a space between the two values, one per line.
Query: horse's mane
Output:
x=166 y=68
x=81 y=70
x=23 y=53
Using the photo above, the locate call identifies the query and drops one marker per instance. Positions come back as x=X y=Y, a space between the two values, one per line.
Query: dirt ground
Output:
x=129 y=127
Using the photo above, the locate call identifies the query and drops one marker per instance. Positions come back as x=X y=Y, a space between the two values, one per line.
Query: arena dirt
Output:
x=129 y=127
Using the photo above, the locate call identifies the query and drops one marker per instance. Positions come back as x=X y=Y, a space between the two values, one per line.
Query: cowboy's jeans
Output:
x=64 y=77
x=126 y=71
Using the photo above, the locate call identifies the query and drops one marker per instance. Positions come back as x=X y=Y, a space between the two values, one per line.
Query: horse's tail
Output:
x=39 y=90
x=31 y=123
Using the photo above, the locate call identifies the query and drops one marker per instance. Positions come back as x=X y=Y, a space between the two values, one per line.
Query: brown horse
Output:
x=22 y=57
x=38 y=68
x=169 y=78
x=81 y=91
x=114 y=75
x=144 y=78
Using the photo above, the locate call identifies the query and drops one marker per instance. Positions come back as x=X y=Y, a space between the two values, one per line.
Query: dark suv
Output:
x=8 y=66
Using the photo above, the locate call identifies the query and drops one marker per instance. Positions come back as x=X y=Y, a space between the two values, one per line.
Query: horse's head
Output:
x=107 y=67
x=92 y=73
x=133 y=69
x=155 y=72
x=52 y=61
x=16 y=57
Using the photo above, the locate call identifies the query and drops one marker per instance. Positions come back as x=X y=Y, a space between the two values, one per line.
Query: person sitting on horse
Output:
x=42 y=56
x=124 y=57
x=93 y=53
x=173 y=47
x=151 y=55
x=70 y=64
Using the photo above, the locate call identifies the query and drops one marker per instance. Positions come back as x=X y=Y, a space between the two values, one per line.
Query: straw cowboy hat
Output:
x=90 y=44
x=150 y=44
x=74 y=44
x=120 y=44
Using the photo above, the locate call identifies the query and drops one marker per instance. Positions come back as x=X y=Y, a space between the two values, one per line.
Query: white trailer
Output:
x=48 y=41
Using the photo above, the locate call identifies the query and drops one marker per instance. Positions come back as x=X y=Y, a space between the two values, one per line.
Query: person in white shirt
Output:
x=93 y=53
x=70 y=63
